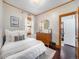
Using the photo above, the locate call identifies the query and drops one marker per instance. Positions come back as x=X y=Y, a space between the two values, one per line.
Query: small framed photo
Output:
x=14 y=21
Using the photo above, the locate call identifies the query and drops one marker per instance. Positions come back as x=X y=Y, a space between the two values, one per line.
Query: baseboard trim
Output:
x=70 y=45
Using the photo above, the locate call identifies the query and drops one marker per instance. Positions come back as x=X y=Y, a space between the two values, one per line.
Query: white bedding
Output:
x=27 y=49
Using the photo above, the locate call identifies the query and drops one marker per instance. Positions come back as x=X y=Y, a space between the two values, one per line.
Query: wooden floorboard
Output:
x=57 y=55
x=68 y=53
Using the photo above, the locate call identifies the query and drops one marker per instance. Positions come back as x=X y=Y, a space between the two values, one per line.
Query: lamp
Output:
x=38 y=2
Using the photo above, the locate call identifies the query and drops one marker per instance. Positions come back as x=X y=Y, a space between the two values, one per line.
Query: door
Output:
x=69 y=29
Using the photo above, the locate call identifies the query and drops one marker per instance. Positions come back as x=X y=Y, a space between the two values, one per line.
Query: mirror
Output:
x=46 y=24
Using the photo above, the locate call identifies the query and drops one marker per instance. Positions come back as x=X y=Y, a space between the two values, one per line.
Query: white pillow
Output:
x=7 y=36
x=1 y=41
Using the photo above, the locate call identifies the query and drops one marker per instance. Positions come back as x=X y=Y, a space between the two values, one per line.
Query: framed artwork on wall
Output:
x=14 y=21
x=46 y=24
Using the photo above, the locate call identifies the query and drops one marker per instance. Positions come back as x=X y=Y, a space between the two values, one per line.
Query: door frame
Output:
x=63 y=15
x=77 y=48
x=77 y=23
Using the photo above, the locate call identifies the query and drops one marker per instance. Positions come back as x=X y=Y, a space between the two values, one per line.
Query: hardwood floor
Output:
x=66 y=52
x=57 y=55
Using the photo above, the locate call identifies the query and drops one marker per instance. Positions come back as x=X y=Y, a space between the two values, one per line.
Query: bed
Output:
x=25 y=49
x=28 y=49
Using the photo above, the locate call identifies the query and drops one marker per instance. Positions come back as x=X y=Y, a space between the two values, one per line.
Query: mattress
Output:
x=27 y=49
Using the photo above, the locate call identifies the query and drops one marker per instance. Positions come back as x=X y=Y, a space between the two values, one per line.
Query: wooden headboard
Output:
x=44 y=37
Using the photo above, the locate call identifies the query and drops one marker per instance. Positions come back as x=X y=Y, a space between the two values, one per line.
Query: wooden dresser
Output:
x=44 y=37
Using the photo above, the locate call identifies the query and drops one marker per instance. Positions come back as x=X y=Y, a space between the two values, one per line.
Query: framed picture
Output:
x=46 y=24
x=14 y=21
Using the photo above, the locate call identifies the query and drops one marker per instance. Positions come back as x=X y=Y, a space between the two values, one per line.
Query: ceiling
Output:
x=36 y=7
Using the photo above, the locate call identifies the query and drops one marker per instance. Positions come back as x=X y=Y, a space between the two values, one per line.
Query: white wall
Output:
x=12 y=11
x=53 y=17
x=1 y=27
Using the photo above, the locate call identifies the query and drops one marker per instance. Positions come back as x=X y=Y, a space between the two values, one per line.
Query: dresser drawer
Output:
x=44 y=37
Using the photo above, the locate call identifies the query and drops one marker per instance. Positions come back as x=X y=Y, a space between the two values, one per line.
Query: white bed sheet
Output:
x=29 y=48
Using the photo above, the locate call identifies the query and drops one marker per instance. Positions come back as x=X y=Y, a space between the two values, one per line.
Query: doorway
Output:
x=67 y=34
x=67 y=27
x=68 y=30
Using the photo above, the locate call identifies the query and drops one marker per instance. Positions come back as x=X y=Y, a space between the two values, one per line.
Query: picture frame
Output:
x=14 y=21
x=46 y=24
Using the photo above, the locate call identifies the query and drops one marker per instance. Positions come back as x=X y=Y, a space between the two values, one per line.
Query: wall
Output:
x=12 y=11
x=53 y=17
x=1 y=27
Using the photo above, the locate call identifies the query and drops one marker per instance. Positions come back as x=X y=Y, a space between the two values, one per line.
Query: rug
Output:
x=49 y=54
